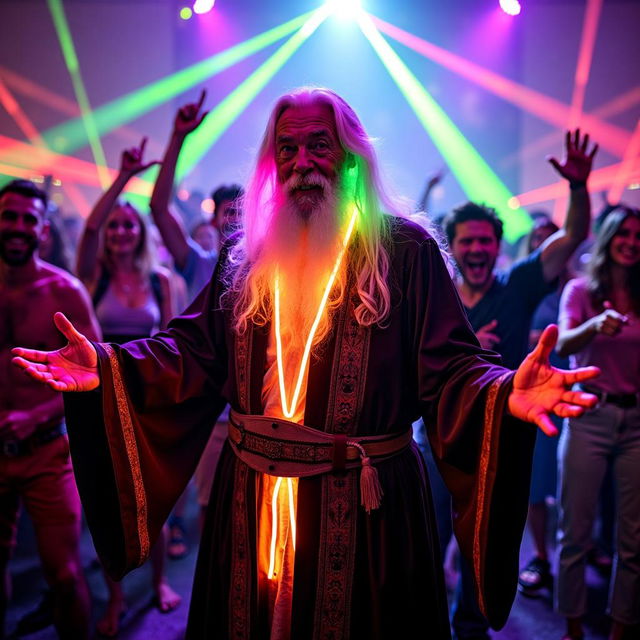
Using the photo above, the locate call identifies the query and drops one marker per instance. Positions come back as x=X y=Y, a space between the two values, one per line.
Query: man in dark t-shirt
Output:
x=500 y=304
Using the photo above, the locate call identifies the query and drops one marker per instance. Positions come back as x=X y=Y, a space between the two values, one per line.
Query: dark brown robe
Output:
x=136 y=442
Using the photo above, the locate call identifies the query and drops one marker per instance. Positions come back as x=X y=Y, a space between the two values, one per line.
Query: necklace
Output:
x=288 y=410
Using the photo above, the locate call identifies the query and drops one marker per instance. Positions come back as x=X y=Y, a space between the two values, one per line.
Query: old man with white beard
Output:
x=330 y=325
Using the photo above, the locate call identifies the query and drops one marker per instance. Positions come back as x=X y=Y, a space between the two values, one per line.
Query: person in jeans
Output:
x=600 y=325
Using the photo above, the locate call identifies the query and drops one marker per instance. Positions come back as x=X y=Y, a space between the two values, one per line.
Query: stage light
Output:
x=223 y=115
x=207 y=205
x=126 y=108
x=510 y=7
x=186 y=13
x=73 y=66
x=345 y=9
x=610 y=136
x=203 y=6
x=474 y=175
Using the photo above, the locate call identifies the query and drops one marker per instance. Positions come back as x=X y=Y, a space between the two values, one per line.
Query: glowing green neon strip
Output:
x=71 y=60
x=224 y=114
x=475 y=176
x=70 y=135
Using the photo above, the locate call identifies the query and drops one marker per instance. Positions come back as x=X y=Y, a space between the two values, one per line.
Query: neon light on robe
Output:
x=70 y=135
x=610 y=137
x=288 y=411
x=274 y=528
x=475 y=176
x=71 y=59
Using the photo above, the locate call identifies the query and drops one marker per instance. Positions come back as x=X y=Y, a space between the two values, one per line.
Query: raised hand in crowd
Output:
x=174 y=235
x=578 y=160
x=190 y=116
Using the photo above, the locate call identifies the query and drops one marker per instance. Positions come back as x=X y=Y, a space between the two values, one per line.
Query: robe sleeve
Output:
x=136 y=440
x=484 y=455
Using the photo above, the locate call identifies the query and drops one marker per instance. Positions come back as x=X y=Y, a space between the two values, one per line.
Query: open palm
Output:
x=72 y=368
x=540 y=389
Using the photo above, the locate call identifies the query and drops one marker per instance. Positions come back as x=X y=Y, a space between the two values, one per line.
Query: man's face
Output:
x=22 y=227
x=308 y=155
x=227 y=218
x=475 y=249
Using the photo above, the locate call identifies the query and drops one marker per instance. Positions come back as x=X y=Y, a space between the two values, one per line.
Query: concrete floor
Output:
x=531 y=618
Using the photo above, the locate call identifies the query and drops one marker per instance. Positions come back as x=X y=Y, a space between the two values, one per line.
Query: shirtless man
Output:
x=35 y=466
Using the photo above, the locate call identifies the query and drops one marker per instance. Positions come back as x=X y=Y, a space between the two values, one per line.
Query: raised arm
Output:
x=131 y=163
x=575 y=168
x=170 y=225
x=432 y=182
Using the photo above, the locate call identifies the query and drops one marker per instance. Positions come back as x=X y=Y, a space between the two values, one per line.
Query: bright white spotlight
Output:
x=512 y=7
x=345 y=9
x=203 y=6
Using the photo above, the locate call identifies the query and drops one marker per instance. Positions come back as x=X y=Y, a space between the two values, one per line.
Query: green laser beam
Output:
x=71 y=135
x=475 y=176
x=71 y=60
x=223 y=115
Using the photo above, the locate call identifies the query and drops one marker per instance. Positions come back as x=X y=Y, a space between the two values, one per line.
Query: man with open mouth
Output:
x=500 y=304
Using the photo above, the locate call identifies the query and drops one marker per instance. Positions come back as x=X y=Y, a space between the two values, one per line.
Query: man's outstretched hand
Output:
x=72 y=368
x=540 y=389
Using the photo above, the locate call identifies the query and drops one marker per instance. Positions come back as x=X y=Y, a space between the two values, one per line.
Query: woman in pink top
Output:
x=600 y=325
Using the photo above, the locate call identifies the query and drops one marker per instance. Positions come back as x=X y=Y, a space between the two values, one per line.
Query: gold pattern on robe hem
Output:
x=485 y=454
x=131 y=447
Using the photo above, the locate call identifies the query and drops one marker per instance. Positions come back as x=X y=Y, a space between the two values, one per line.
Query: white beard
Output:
x=302 y=247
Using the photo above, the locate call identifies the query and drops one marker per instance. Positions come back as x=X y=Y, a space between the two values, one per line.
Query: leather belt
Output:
x=622 y=400
x=17 y=448
x=288 y=449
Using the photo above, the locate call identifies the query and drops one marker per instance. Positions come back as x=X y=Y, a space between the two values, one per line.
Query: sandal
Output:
x=536 y=575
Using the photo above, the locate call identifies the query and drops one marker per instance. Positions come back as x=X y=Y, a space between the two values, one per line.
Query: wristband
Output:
x=574 y=186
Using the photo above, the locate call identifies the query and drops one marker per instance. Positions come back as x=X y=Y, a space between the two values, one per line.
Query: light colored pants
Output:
x=606 y=435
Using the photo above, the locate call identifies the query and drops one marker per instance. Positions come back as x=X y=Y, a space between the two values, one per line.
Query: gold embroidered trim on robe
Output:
x=485 y=455
x=132 y=454
x=340 y=504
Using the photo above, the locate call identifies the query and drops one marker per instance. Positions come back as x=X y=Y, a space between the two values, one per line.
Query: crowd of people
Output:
x=314 y=309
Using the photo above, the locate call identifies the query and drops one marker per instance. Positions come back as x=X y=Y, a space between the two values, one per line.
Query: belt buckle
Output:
x=11 y=448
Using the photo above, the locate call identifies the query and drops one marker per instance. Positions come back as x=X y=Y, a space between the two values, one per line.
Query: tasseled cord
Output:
x=370 y=489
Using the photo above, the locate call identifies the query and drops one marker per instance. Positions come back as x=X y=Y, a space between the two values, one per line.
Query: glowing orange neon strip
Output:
x=610 y=137
x=630 y=164
x=288 y=412
x=292 y=512
x=274 y=528
x=585 y=56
